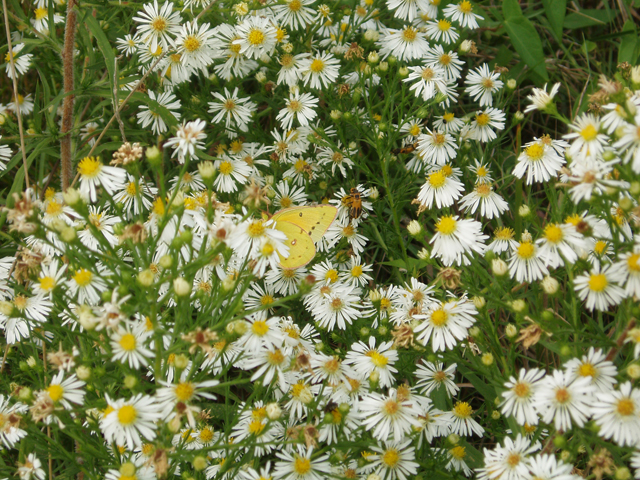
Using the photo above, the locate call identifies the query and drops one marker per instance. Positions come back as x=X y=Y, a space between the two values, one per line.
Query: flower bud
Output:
x=487 y=359
x=499 y=267
x=424 y=254
x=474 y=331
x=207 y=171
x=128 y=469
x=524 y=211
x=68 y=235
x=83 y=373
x=71 y=197
x=274 y=412
x=181 y=361
x=199 y=463
x=181 y=287
x=511 y=330
x=166 y=261
x=130 y=381
x=146 y=277
x=371 y=35
x=261 y=77
x=154 y=156
x=403 y=72
x=479 y=302
x=550 y=285
x=519 y=306
x=414 y=228
x=633 y=371
x=495 y=415
x=373 y=57
x=336 y=115
x=512 y=84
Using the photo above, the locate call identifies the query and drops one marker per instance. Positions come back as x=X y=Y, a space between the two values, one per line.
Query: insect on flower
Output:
x=354 y=202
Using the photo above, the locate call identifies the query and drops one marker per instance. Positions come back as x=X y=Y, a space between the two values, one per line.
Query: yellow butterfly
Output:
x=303 y=226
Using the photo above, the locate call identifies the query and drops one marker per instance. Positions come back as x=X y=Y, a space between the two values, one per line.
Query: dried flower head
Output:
x=127 y=153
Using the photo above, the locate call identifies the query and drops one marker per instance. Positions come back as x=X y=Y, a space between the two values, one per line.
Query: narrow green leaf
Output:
x=589 y=18
x=103 y=45
x=555 y=11
x=628 y=51
x=527 y=43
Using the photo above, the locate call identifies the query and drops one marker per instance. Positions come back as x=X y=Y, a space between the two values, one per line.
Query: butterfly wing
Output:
x=314 y=220
x=301 y=247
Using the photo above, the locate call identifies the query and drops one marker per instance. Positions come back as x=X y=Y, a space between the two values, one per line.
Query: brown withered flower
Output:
x=126 y=154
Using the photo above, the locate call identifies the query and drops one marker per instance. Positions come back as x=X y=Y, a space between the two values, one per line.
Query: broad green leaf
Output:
x=589 y=18
x=527 y=43
x=103 y=45
x=511 y=9
x=629 y=45
x=487 y=391
x=555 y=11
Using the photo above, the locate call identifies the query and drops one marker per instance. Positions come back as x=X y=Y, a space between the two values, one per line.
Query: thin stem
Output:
x=67 y=105
x=15 y=92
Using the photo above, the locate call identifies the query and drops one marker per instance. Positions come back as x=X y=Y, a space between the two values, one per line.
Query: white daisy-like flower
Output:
x=192 y=43
x=483 y=125
x=448 y=122
x=540 y=99
x=189 y=137
x=545 y=467
x=390 y=416
x=482 y=84
x=366 y=360
x=320 y=70
x=456 y=238
x=294 y=14
x=509 y=461
x=598 y=290
x=519 y=399
x=21 y=63
x=540 y=160
x=616 y=413
x=441 y=189
x=235 y=111
x=560 y=242
x=407 y=9
x=428 y=81
x=431 y=376
x=563 y=401
x=483 y=197
x=231 y=173
x=258 y=37
x=448 y=61
x=394 y=460
x=290 y=73
x=94 y=174
x=445 y=324
x=128 y=345
x=595 y=366
x=406 y=44
x=149 y=116
x=300 y=465
x=460 y=421
x=462 y=12
x=503 y=240
x=299 y=107
x=130 y=421
x=158 y=25
x=525 y=263
x=629 y=143
x=11 y=415
x=626 y=272
x=437 y=147
x=441 y=30
x=587 y=143
x=65 y=391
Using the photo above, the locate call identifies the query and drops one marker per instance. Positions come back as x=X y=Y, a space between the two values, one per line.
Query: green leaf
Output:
x=155 y=107
x=103 y=45
x=527 y=43
x=589 y=17
x=629 y=46
x=555 y=11
x=487 y=391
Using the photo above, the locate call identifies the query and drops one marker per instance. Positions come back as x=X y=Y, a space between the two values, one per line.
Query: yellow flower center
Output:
x=391 y=407
x=439 y=317
x=206 y=435
x=191 y=43
x=391 y=458
x=301 y=465
x=482 y=119
x=589 y=133
x=625 y=407
x=316 y=66
x=295 y=5
x=447 y=117
x=256 y=427
x=526 y=250
x=458 y=452
x=462 y=410
x=446 y=225
x=562 y=395
x=47 y=283
x=41 y=13
x=260 y=328
x=483 y=189
x=256 y=229
x=184 y=391
x=275 y=358
x=587 y=370
x=465 y=6
x=256 y=37
x=632 y=262
x=598 y=282
x=356 y=271
x=521 y=389
x=159 y=24
x=331 y=275
x=535 y=151
x=444 y=25
x=225 y=168
x=409 y=34
x=128 y=342
x=445 y=59
x=553 y=233
x=83 y=277
x=437 y=179
x=127 y=415
x=377 y=359
x=89 y=167
x=504 y=233
x=55 y=392
x=600 y=247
